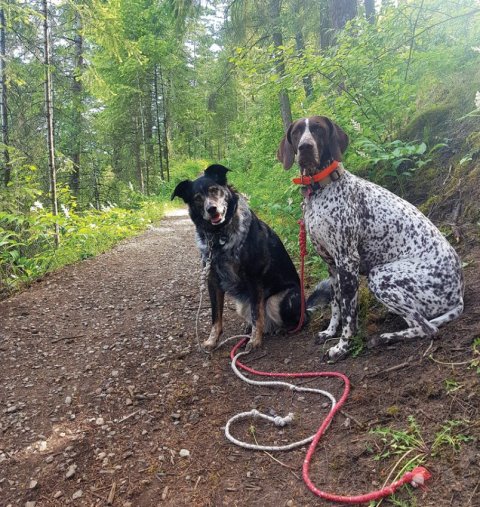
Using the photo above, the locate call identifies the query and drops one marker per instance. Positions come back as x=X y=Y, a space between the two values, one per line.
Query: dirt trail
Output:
x=102 y=386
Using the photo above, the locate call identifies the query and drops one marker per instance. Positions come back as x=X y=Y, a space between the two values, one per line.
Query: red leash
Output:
x=416 y=477
x=302 y=241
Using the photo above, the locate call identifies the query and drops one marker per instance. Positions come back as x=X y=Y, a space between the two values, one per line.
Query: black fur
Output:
x=248 y=260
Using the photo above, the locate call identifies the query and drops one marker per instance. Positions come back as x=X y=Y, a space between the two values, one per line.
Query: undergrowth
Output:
x=27 y=225
x=408 y=448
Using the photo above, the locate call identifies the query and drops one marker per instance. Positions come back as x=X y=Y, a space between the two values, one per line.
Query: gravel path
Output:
x=105 y=399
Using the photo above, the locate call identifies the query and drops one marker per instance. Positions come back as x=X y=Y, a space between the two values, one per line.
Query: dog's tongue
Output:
x=215 y=219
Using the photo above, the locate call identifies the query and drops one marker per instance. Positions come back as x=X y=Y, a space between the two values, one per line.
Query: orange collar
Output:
x=310 y=180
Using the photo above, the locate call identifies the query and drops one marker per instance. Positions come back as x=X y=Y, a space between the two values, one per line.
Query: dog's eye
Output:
x=198 y=198
x=213 y=190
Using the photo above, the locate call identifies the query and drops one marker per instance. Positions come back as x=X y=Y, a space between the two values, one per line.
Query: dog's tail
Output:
x=320 y=297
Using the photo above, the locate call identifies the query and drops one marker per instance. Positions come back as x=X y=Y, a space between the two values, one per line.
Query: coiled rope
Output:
x=416 y=477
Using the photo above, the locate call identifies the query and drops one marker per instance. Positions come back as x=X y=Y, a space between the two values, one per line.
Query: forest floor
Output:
x=102 y=386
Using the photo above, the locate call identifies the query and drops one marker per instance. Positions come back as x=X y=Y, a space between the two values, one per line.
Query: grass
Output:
x=410 y=449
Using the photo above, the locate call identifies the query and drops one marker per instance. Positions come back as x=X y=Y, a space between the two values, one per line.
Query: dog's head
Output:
x=209 y=198
x=313 y=142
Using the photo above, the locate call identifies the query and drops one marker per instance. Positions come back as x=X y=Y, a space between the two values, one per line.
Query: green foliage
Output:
x=27 y=248
x=159 y=76
x=393 y=163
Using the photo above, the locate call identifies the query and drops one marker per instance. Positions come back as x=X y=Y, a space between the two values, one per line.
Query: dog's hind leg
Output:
x=217 y=298
x=405 y=287
x=448 y=316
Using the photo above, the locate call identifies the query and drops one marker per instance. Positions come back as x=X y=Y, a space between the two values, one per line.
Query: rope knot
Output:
x=283 y=421
x=419 y=476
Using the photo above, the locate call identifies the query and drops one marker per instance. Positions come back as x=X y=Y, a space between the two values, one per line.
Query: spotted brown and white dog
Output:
x=247 y=259
x=358 y=227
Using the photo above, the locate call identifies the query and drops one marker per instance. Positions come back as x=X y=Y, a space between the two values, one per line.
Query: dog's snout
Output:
x=212 y=210
x=305 y=147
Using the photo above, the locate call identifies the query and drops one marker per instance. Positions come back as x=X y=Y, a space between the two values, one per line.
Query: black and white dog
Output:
x=247 y=259
x=358 y=228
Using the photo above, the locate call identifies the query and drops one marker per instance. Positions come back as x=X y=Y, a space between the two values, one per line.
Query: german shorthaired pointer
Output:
x=359 y=228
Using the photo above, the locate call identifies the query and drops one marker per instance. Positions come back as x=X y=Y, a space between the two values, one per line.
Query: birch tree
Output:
x=49 y=116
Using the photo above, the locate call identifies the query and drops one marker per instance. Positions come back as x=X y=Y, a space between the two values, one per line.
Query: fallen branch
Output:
x=389 y=370
x=461 y=363
x=111 y=495
x=348 y=416
x=277 y=460
x=67 y=338
x=128 y=416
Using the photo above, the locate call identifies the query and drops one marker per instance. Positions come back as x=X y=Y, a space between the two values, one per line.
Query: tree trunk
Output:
x=165 y=127
x=143 y=140
x=285 y=109
x=49 y=115
x=77 y=90
x=149 y=138
x=138 y=158
x=7 y=170
x=326 y=31
x=157 y=118
x=96 y=190
x=370 y=10
x=342 y=11
x=307 y=79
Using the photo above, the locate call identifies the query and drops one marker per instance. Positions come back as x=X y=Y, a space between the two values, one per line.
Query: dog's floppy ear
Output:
x=285 y=152
x=183 y=190
x=217 y=173
x=338 y=141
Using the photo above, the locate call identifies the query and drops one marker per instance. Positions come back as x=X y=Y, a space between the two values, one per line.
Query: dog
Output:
x=247 y=259
x=360 y=228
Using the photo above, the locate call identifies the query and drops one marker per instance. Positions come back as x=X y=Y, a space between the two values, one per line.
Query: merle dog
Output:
x=248 y=261
x=358 y=227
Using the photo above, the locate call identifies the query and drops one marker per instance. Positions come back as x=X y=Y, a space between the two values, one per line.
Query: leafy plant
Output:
x=452 y=385
x=396 y=161
x=410 y=449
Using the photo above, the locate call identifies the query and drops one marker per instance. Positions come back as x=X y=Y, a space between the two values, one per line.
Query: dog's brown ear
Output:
x=217 y=173
x=183 y=190
x=285 y=152
x=338 y=141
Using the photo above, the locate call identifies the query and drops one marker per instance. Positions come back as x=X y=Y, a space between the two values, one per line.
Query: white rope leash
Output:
x=203 y=285
x=277 y=420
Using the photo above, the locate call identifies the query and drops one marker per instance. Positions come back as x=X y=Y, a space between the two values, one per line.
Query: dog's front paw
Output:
x=339 y=351
x=323 y=336
x=210 y=344
x=253 y=344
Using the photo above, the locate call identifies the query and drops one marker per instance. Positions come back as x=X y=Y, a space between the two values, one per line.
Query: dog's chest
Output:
x=323 y=217
x=224 y=261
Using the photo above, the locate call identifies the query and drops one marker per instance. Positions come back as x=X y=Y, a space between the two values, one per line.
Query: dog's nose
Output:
x=305 y=146
x=212 y=210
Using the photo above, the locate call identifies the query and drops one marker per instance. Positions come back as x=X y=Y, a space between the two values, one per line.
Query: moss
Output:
x=428 y=125
x=393 y=410
x=472 y=142
x=430 y=203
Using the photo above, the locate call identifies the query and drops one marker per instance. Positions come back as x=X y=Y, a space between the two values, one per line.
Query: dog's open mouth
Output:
x=216 y=219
